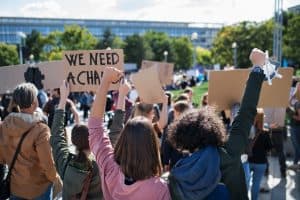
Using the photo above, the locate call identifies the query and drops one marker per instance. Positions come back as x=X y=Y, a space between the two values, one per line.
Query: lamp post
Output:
x=22 y=36
x=166 y=55
x=194 y=37
x=234 y=48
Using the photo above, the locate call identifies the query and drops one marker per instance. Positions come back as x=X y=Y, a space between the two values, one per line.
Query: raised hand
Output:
x=257 y=57
x=64 y=93
x=112 y=74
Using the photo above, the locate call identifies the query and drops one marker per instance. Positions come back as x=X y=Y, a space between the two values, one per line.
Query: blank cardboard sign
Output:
x=85 y=68
x=52 y=75
x=226 y=88
x=165 y=70
x=147 y=83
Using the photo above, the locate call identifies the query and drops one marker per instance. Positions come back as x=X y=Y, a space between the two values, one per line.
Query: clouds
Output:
x=43 y=9
x=220 y=11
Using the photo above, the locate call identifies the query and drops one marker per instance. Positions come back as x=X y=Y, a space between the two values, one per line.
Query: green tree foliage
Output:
x=247 y=35
x=8 y=55
x=137 y=49
x=203 y=56
x=34 y=45
x=160 y=42
x=106 y=40
x=183 y=53
x=77 y=38
x=117 y=43
x=291 y=48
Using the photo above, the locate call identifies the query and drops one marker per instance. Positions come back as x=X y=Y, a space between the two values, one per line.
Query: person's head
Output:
x=197 y=129
x=137 y=150
x=25 y=97
x=145 y=110
x=189 y=92
x=182 y=97
x=79 y=137
x=204 y=101
x=179 y=108
x=55 y=93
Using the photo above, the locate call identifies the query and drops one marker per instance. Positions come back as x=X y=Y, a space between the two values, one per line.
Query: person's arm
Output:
x=119 y=116
x=58 y=140
x=238 y=138
x=74 y=111
x=163 y=120
x=99 y=142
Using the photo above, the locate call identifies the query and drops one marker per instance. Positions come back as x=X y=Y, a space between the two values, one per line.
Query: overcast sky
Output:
x=219 y=11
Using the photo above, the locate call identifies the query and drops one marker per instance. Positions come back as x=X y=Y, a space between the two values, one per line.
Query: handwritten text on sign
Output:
x=85 y=68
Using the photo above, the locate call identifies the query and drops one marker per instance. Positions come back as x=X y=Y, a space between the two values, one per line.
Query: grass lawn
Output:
x=198 y=91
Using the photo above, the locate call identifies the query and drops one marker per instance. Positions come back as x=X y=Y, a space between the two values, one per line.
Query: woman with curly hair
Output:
x=213 y=158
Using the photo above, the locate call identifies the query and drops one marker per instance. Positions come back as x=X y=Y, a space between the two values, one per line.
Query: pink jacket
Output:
x=112 y=178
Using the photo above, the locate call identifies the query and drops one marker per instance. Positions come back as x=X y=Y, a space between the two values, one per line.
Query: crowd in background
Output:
x=133 y=150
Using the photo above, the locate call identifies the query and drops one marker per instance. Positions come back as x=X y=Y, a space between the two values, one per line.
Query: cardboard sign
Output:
x=165 y=70
x=227 y=87
x=84 y=69
x=51 y=75
x=147 y=83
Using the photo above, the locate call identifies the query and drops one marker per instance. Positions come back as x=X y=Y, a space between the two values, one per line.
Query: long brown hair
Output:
x=137 y=150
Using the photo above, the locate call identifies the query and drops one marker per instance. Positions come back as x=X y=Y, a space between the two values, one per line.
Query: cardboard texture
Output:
x=227 y=87
x=11 y=76
x=84 y=68
x=148 y=86
x=165 y=70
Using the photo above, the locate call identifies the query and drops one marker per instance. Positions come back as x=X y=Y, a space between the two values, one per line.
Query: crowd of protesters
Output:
x=133 y=150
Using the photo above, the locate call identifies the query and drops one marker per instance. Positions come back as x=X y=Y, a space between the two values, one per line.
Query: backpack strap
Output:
x=17 y=151
x=86 y=185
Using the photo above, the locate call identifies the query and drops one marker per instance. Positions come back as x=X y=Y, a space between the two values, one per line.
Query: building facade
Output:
x=10 y=26
x=295 y=9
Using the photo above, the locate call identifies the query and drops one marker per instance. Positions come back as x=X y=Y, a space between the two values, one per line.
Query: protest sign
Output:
x=46 y=75
x=227 y=87
x=84 y=68
x=165 y=70
x=147 y=83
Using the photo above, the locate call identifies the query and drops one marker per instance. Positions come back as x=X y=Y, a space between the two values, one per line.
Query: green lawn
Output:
x=198 y=92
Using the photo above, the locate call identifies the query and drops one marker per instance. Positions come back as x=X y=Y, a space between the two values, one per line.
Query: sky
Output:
x=197 y=11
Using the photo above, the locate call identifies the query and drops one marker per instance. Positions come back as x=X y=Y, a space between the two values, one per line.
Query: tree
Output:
x=292 y=41
x=203 y=56
x=34 y=45
x=76 y=38
x=136 y=49
x=117 y=43
x=160 y=42
x=183 y=51
x=247 y=35
x=106 y=40
x=8 y=55
x=53 y=46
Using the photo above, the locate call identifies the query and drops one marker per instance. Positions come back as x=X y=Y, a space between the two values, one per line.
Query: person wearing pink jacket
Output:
x=133 y=168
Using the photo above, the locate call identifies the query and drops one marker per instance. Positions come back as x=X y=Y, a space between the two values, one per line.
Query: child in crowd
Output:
x=132 y=169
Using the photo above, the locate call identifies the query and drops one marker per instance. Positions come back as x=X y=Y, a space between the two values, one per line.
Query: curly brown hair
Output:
x=197 y=129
